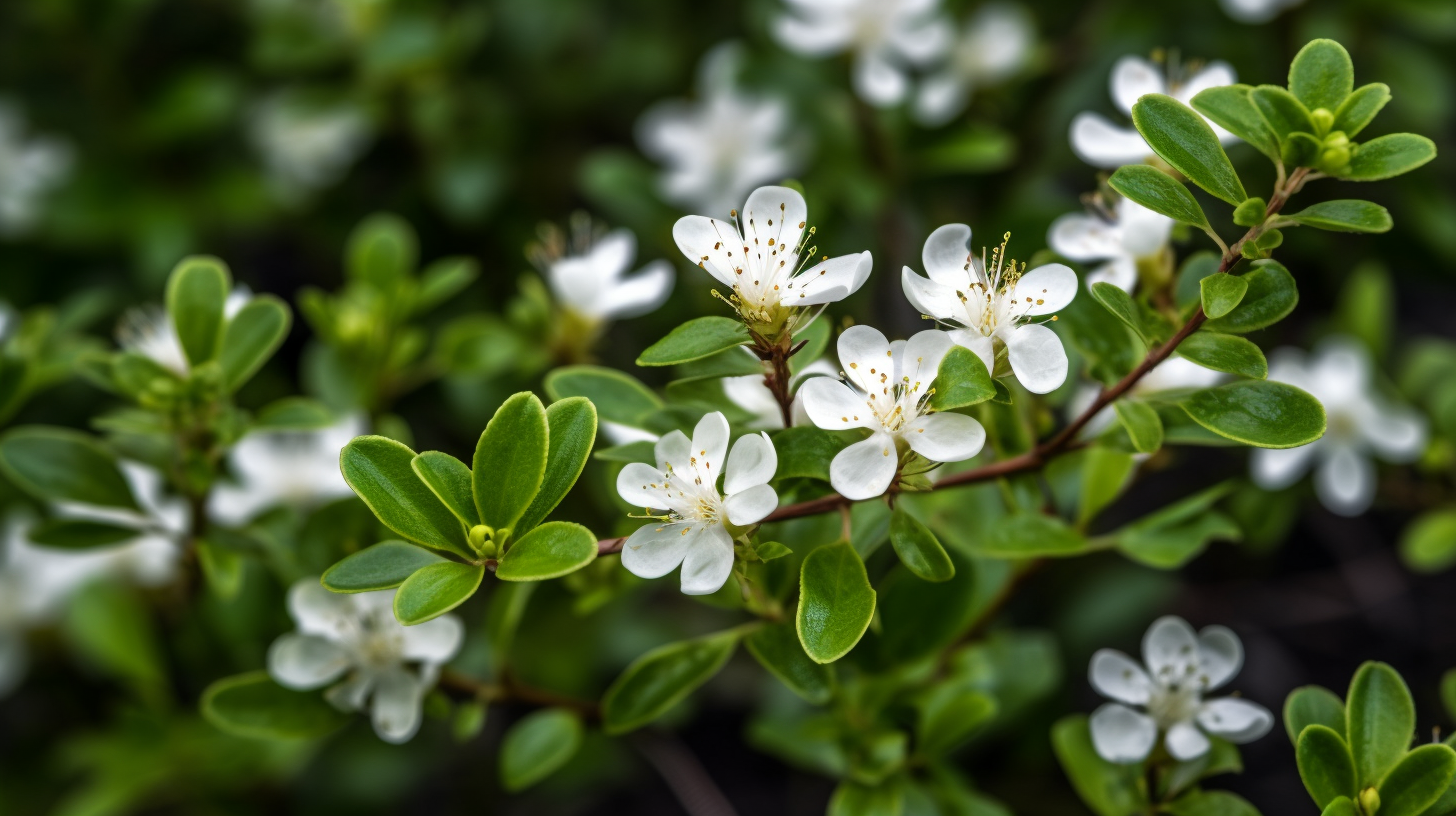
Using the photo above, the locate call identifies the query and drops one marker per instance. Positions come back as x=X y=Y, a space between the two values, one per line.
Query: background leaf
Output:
x=537 y=746
x=658 y=680
x=252 y=705
x=61 y=464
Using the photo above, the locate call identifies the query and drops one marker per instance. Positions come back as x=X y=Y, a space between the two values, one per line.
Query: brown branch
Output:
x=510 y=690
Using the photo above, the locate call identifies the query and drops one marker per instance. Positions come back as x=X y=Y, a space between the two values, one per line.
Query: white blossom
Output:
x=1358 y=423
x=1100 y=143
x=1256 y=11
x=750 y=393
x=149 y=331
x=887 y=38
x=276 y=467
x=700 y=523
x=1181 y=668
x=995 y=44
x=718 y=148
x=887 y=388
x=593 y=281
x=307 y=145
x=1120 y=239
x=29 y=169
x=991 y=306
x=386 y=667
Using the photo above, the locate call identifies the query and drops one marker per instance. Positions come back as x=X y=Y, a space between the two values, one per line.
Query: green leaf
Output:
x=1105 y=472
x=251 y=338
x=433 y=590
x=222 y=568
x=552 y=550
x=1225 y=352
x=1142 y=424
x=59 y=464
x=1027 y=535
x=1122 y=306
x=1322 y=75
x=617 y=396
x=836 y=602
x=1108 y=788
x=449 y=479
x=1157 y=191
x=1231 y=108
x=1258 y=412
x=1210 y=803
x=468 y=721
x=1282 y=112
x=385 y=565
x=694 y=340
x=510 y=460
x=1170 y=546
x=1271 y=296
x=572 y=424
x=815 y=339
x=1220 y=293
x=806 y=451
x=855 y=799
x=252 y=705
x=1342 y=806
x=1325 y=765
x=918 y=548
x=1184 y=140
x=294 y=414
x=1366 y=307
x=639 y=451
x=382 y=250
x=76 y=534
x=961 y=380
x=1448 y=693
x=1313 y=705
x=1344 y=215
x=379 y=470
x=1251 y=213
x=948 y=715
x=1360 y=107
x=196 y=297
x=1387 y=156
x=1417 y=780
x=769 y=550
x=776 y=646
x=1427 y=545
x=442 y=280
x=919 y=618
x=1300 y=150
x=1380 y=719
x=537 y=746
x=658 y=680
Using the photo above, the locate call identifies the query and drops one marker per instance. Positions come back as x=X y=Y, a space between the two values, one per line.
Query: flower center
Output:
x=1175 y=702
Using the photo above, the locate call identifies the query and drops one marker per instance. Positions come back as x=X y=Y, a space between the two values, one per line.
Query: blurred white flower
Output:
x=887 y=389
x=1358 y=423
x=1100 y=143
x=991 y=307
x=590 y=278
x=29 y=169
x=1120 y=239
x=307 y=145
x=1256 y=11
x=716 y=149
x=887 y=37
x=387 y=667
x=149 y=331
x=1181 y=668
x=994 y=45
x=9 y=321
x=298 y=468
x=751 y=394
x=1172 y=374
x=700 y=523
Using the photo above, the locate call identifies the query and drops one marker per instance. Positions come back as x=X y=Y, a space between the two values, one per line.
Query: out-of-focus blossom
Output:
x=150 y=332
x=1172 y=374
x=29 y=169
x=588 y=274
x=887 y=38
x=1100 y=143
x=751 y=394
x=1129 y=234
x=307 y=145
x=1256 y=11
x=995 y=44
x=297 y=468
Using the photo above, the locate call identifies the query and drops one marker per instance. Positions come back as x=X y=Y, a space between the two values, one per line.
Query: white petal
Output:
x=865 y=469
x=641 y=485
x=824 y=35
x=1131 y=78
x=940 y=97
x=919 y=360
x=396 y=707
x=1184 y=741
x=1045 y=290
x=1036 y=356
x=306 y=661
x=752 y=461
x=1103 y=144
x=1170 y=650
x=1144 y=232
x=353 y=692
x=947 y=255
x=920 y=43
x=751 y=505
x=708 y=563
x=1220 y=655
x=710 y=444
x=619 y=434
x=638 y=294
x=656 y=549
x=1345 y=480
x=977 y=342
x=1119 y=677
x=316 y=610
x=945 y=437
x=865 y=354
x=1235 y=719
x=877 y=81
x=834 y=406
x=828 y=281
x=1120 y=272
x=674 y=448
x=1120 y=734
x=613 y=253
x=1080 y=237
x=1397 y=433
x=434 y=641
x=1278 y=468
x=706 y=242
x=929 y=297
x=773 y=219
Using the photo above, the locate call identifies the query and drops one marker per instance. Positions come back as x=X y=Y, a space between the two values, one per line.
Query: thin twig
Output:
x=684 y=774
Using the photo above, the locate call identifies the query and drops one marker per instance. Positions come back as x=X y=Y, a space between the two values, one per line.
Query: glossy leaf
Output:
x=1157 y=191
x=1321 y=75
x=1344 y=215
x=961 y=380
x=1325 y=765
x=59 y=464
x=385 y=565
x=1417 y=780
x=252 y=705
x=918 y=548
x=658 y=680
x=776 y=647
x=694 y=340
x=572 y=424
x=197 y=293
x=1387 y=156
x=1380 y=720
x=836 y=602
x=1270 y=297
x=618 y=397
x=251 y=338
x=449 y=479
x=806 y=451
x=1282 y=111
x=551 y=550
x=1228 y=353
x=1107 y=788
x=1313 y=705
x=1171 y=545
x=1025 y=535
x=1184 y=140
x=537 y=746
x=1360 y=107
x=433 y=590
x=1231 y=108
x=510 y=460
x=379 y=470
x=1258 y=412
x=1123 y=307
x=382 y=251
x=1221 y=293
x=1342 y=806
x=1142 y=424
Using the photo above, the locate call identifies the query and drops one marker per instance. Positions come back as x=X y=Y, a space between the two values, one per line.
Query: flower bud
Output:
x=1322 y=119
x=1369 y=801
x=479 y=535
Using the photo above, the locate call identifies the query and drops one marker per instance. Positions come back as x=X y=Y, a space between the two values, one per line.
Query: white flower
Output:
x=991 y=307
x=307 y=145
x=29 y=169
x=1181 y=668
x=1100 y=143
x=593 y=282
x=887 y=38
x=995 y=44
x=717 y=149
x=1133 y=233
x=888 y=391
x=299 y=468
x=759 y=257
x=1358 y=423
x=149 y=331
x=386 y=667
x=701 y=523
x=1256 y=11
x=751 y=394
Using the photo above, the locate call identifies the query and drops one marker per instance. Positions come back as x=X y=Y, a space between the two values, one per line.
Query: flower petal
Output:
x=434 y=641
x=865 y=469
x=945 y=437
x=773 y=220
x=918 y=360
x=656 y=549
x=1119 y=677
x=1120 y=734
x=865 y=354
x=316 y=610
x=752 y=461
x=977 y=342
x=1220 y=656
x=1345 y=480
x=1278 y=468
x=751 y=505
x=834 y=406
x=709 y=562
x=353 y=692
x=1398 y=434
x=1131 y=78
x=638 y=294
x=306 y=661
x=1144 y=232
x=642 y=485
x=711 y=243
x=1184 y=741
x=1120 y=272
x=947 y=256
x=828 y=281
x=929 y=297
x=877 y=81
x=397 y=706
x=940 y=97
x=710 y=444
x=1235 y=719
x=1036 y=356
x=821 y=36
x=1103 y=144
x=1045 y=289
x=1170 y=650
x=1080 y=237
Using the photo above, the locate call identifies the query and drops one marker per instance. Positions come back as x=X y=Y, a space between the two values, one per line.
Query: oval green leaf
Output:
x=385 y=565
x=1282 y=111
x=1258 y=412
x=921 y=618
x=1387 y=156
x=1230 y=107
x=1322 y=75
x=1140 y=420
x=776 y=647
x=196 y=298
x=1271 y=296
x=694 y=340
x=1210 y=803
x=658 y=680
x=433 y=590
x=1380 y=719
x=537 y=746
x=1108 y=788
x=1417 y=780
x=836 y=602
x=380 y=472
x=1184 y=140
x=618 y=397
x=1344 y=215
x=251 y=338
x=1360 y=107
x=572 y=424
x=961 y=380
x=510 y=460
x=59 y=464
x=77 y=534
x=1313 y=705
x=450 y=480
x=1225 y=352
x=1325 y=765
x=1220 y=293
x=1157 y=191
x=1025 y=535
x=383 y=250
x=252 y=705
x=918 y=548
x=1428 y=544
x=552 y=550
